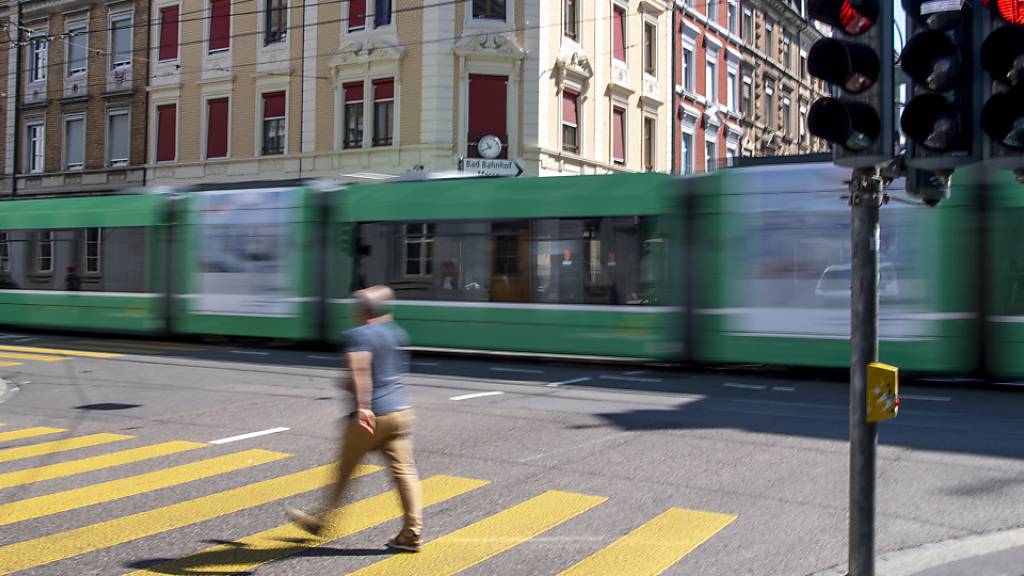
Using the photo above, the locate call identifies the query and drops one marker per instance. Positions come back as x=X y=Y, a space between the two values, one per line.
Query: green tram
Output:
x=747 y=265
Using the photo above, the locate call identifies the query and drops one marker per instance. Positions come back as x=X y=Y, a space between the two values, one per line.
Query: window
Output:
x=686 y=153
x=712 y=10
x=786 y=109
x=650 y=135
x=38 y=46
x=488 y=105
x=44 y=251
x=747 y=27
x=787 y=53
x=769 y=103
x=356 y=15
x=275 y=22
x=769 y=40
x=36 y=148
x=382 y=13
x=93 y=250
x=168 y=33
x=618 y=135
x=570 y=121
x=419 y=249
x=570 y=19
x=383 y=112
x=220 y=25
x=711 y=75
x=732 y=86
x=166 y=132
x=74 y=142
x=217 y=128
x=78 y=49
x=353 y=121
x=273 y=123
x=619 y=33
x=117 y=137
x=803 y=121
x=5 y=254
x=687 y=68
x=803 y=65
x=746 y=95
x=650 y=47
x=120 y=41
x=710 y=156
x=732 y=19
x=489 y=9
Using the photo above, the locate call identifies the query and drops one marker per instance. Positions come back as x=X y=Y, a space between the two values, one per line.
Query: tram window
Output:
x=72 y=259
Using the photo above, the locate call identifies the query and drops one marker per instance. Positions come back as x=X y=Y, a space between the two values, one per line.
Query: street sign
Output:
x=485 y=167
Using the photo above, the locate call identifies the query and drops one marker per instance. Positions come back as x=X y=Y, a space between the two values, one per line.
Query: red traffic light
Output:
x=1010 y=10
x=853 y=17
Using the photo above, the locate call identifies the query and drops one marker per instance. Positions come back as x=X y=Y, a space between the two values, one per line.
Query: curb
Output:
x=910 y=561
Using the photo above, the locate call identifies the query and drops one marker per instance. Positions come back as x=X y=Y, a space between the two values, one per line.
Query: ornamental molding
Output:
x=493 y=45
x=574 y=66
x=365 y=52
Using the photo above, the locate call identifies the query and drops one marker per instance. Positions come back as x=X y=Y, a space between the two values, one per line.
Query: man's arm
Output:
x=362 y=387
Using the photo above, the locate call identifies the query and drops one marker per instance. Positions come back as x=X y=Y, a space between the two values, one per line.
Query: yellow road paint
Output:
x=63 y=469
x=124 y=487
x=22 y=356
x=59 y=351
x=54 y=547
x=246 y=554
x=28 y=433
x=6 y=364
x=654 y=546
x=489 y=537
x=62 y=445
x=146 y=344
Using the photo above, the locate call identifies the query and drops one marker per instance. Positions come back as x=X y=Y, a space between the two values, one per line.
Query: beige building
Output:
x=369 y=88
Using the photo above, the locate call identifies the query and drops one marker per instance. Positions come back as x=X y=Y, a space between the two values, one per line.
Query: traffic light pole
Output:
x=865 y=200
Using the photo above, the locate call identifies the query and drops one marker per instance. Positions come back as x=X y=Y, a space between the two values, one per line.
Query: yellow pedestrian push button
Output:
x=883 y=391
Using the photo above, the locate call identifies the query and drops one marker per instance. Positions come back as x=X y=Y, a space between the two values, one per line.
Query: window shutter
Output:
x=488 y=105
x=273 y=105
x=354 y=92
x=356 y=14
x=217 y=128
x=618 y=130
x=618 y=31
x=166 y=137
x=383 y=89
x=169 y=33
x=569 y=103
x=220 y=24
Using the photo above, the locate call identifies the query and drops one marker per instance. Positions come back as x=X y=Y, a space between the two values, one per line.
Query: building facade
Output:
x=375 y=88
x=76 y=108
x=741 y=82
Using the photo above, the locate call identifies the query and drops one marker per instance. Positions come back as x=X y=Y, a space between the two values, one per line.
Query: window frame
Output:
x=177 y=33
x=492 y=8
x=732 y=14
x=114 y=19
x=275 y=22
x=37 y=126
x=711 y=74
x=111 y=114
x=688 y=64
x=424 y=239
x=210 y=50
x=39 y=48
x=5 y=252
x=787 y=110
x=377 y=5
x=686 y=164
x=208 y=102
x=710 y=160
x=66 y=142
x=71 y=29
x=650 y=43
x=732 y=88
x=349 y=106
x=619 y=110
x=266 y=121
x=649 y=143
x=619 y=52
x=571 y=15
x=388 y=106
x=769 y=97
x=45 y=237
x=567 y=126
x=746 y=94
x=98 y=258
x=174 y=148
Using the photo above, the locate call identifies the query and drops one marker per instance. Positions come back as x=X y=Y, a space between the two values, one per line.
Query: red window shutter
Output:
x=169 y=33
x=619 y=33
x=383 y=89
x=217 y=128
x=273 y=105
x=354 y=92
x=569 y=102
x=618 y=131
x=488 y=105
x=220 y=24
x=356 y=14
x=166 y=132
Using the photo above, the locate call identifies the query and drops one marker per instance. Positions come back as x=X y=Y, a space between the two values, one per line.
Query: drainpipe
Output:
x=674 y=118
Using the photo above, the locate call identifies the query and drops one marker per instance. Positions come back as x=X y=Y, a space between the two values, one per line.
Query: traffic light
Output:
x=858 y=62
x=1002 y=59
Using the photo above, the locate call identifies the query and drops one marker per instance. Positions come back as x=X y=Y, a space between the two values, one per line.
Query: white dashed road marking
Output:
x=475 y=395
x=249 y=435
x=931 y=398
x=744 y=386
x=517 y=370
x=573 y=381
x=251 y=352
x=783 y=388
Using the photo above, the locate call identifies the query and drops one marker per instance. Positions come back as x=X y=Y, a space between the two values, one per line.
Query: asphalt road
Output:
x=177 y=458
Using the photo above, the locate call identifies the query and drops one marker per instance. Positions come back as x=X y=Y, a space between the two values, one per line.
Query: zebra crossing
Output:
x=648 y=548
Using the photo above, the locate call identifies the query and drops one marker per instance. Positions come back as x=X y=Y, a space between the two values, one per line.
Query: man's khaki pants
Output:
x=393 y=437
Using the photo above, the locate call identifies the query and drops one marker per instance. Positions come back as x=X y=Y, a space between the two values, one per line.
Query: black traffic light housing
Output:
x=858 y=62
x=940 y=116
x=1001 y=29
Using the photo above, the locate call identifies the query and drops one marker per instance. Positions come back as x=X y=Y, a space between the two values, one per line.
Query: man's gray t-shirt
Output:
x=382 y=340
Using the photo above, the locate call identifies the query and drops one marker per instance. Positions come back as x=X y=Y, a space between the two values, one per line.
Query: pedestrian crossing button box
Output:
x=883 y=391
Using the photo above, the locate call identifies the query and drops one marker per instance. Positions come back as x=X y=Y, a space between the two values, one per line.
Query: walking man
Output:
x=383 y=416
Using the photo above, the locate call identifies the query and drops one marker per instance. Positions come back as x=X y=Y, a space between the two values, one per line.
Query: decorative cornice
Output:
x=365 y=52
x=495 y=45
x=573 y=63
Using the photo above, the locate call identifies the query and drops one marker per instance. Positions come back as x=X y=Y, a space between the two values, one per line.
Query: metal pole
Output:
x=865 y=198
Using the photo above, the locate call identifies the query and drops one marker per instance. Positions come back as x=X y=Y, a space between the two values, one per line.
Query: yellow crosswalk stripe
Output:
x=143 y=344
x=59 y=351
x=23 y=356
x=119 y=350
x=54 y=547
x=93 y=463
x=489 y=537
x=28 y=433
x=6 y=364
x=654 y=546
x=63 y=445
x=246 y=554
x=124 y=487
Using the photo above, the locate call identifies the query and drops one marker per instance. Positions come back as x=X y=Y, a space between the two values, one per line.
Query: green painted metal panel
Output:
x=82 y=311
x=1005 y=322
x=82 y=212
x=492 y=198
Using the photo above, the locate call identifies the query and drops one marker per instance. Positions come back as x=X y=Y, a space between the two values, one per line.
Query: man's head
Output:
x=374 y=302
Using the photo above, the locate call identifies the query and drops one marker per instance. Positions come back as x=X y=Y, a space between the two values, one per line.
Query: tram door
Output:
x=509 y=271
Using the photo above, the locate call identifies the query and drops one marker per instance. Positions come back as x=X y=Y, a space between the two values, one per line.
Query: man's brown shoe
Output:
x=307 y=522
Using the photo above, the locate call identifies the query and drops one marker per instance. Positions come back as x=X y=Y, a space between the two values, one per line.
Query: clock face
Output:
x=489 y=146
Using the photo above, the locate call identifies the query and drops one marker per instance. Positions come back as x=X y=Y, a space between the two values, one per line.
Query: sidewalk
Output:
x=1004 y=563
